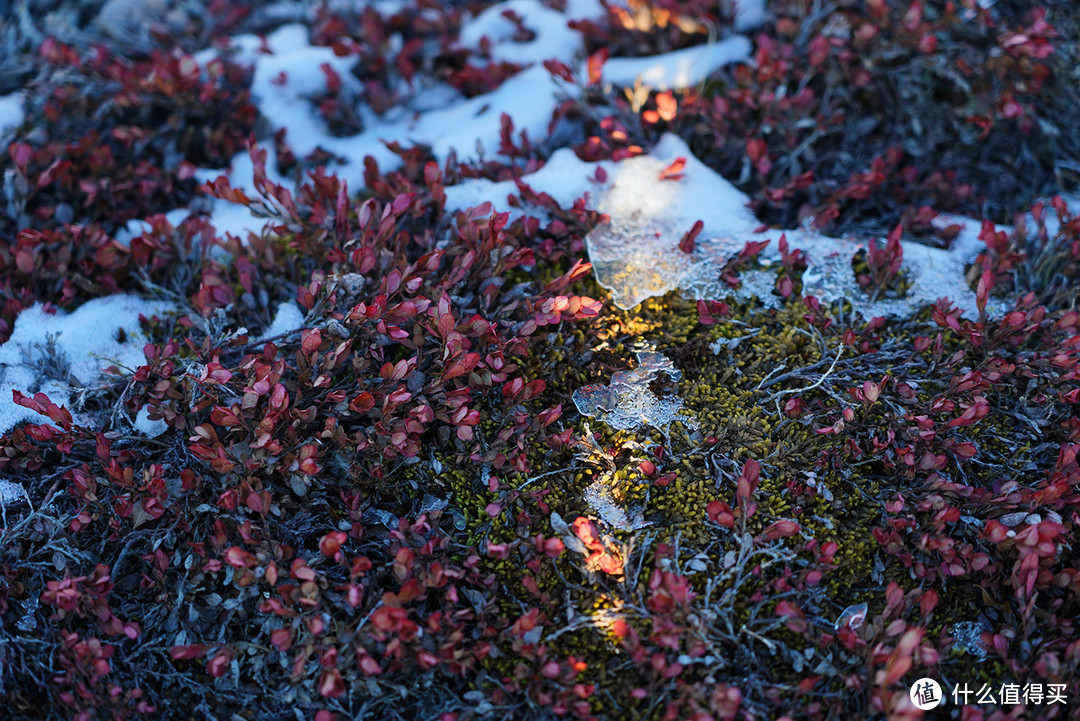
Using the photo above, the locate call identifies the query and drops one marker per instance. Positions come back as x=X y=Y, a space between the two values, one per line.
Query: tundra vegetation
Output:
x=393 y=507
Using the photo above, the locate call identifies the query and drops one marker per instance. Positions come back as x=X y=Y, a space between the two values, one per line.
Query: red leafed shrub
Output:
x=845 y=116
x=1032 y=260
x=878 y=268
x=116 y=139
x=361 y=513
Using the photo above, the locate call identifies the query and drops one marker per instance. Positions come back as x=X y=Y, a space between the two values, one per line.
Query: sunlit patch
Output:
x=628 y=402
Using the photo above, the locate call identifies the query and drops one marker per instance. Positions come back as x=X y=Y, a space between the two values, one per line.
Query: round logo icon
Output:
x=926 y=694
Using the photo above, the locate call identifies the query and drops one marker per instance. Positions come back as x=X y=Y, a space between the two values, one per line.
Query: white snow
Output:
x=288 y=317
x=85 y=342
x=553 y=38
x=749 y=14
x=564 y=177
x=678 y=69
x=11 y=114
x=285 y=82
x=432 y=113
x=151 y=428
x=636 y=255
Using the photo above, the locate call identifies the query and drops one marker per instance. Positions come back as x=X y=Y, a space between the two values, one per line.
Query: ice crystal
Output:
x=627 y=402
x=852 y=616
x=967 y=635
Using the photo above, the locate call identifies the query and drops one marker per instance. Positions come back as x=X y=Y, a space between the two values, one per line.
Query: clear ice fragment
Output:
x=852 y=616
x=627 y=402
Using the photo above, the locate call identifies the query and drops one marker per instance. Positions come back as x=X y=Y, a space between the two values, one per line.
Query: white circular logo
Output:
x=926 y=694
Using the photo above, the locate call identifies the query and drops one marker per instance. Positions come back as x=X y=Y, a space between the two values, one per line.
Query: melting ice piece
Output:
x=598 y=496
x=852 y=616
x=627 y=402
x=635 y=255
x=967 y=635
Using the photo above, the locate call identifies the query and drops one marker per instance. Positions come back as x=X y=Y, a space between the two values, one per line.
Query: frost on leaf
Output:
x=627 y=402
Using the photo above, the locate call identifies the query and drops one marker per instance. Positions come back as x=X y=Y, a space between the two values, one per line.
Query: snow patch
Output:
x=10 y=493
x=288 y=317
x=749 y=14
x=11 y=113
x=564 y=177
x=553 y=38
x=636 y=255
x=59 y=353
x=150 y=428
x=678 y=69
x=432 y=113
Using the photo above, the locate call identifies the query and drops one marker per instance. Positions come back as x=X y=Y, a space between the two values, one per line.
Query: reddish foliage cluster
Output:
x=405 y=341
x=118 y=139
x=292 y=527
x=821 y=123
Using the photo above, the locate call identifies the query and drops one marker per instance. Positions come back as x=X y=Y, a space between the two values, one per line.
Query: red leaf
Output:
x=363 y=402
x=221 y=416
x=687 y=243
x=596 y=64
x=720 y=512
x=748 y=479
x=666 y=106
x=187 y=652
x=20 y=154
x=673 y=171
x=218 y=665
x=311 y=340
x=239 y=558
x=331 y=684
x=589 y=534
x=331 y=543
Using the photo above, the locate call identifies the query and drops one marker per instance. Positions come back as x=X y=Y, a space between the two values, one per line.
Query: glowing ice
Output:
x=636 y=255
x=598 y=495
x=627 y=402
